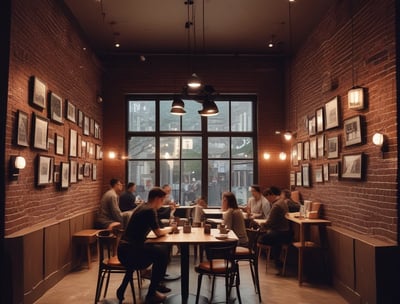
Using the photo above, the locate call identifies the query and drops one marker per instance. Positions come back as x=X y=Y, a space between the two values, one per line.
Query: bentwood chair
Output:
x=109 y=263
x=250 y=254
x=220 y=263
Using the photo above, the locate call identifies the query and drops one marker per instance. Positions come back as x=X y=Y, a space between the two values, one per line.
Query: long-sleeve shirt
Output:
x=233 y=219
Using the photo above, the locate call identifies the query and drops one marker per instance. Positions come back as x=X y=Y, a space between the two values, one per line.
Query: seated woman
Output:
x=233 y=217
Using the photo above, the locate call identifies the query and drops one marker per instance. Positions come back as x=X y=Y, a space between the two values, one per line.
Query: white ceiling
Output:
x=231 y=26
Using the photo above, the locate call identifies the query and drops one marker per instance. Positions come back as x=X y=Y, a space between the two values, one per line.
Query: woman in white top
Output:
x=233 y=217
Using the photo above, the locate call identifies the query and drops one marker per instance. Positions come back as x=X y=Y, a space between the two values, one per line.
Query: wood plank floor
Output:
x=79 y=287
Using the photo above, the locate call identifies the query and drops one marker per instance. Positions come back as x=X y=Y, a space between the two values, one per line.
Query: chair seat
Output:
x=218 y=266
x=242 y=251
x=113 y=261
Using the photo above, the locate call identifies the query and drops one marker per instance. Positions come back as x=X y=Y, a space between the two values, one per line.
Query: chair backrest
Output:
x=252 y=235
x=107 y=241
x=224 y=251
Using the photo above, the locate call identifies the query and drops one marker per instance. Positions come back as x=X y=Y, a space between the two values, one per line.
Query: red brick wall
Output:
x=167 y=74
x=321 y=70
x=45 y=43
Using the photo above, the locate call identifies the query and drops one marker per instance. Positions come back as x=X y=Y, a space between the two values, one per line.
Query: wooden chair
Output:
x=109 y=263
x=283 y=256
x=250 y=254
x=220 y=263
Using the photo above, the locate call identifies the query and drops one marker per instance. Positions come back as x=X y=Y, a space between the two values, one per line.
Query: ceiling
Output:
x=230 y=26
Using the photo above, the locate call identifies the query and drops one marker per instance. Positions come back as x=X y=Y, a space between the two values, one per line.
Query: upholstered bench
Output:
x=86 y=238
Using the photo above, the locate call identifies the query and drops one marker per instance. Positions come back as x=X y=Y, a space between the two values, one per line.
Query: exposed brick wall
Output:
x=167 y=74
x=321 y=70
x=46 y=44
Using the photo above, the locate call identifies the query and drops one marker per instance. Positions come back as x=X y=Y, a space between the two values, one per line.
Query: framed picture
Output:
x=64 y=175
x=86 y=123
x=73 y=140
x=334 y=169
x=55 y=111
x=292 y=179
x=59 y=144
x=299 y=151
x=99 y=152
x=305 y=172
x=71 y=111
x=96 y=130
x=22 y=129
x=325 y=170
x=57 y=173
x=86 y=170
x=352 y=131
x=306 y=150
x=91 y=127
x=299 y=179
x=352 y=166
x=80 y=171
x=37 y=93
x=319 y=114
x=332 y=147
x=83 y=150
x=318 y=174
x=94 y=172
x=331 y=114
x=79 y=146
x=80 y=118
x=320 y=145
x=295 y=160
x=311 y=126
x=45 y=170
x=40 y=132
x=73 y=171
x=313 y=147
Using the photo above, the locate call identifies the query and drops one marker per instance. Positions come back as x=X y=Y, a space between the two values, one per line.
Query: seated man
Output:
x=257 y=205
x=109 y=215
x=276 y=230
x=292 y=205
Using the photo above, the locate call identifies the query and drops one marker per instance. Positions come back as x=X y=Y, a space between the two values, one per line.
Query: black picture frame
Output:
x=80 y=118
x=313 y=147
x=59 y=144
x=352 y=131
x=332 y=113
x=86 y=170
x=320 y=145
x=37 y=93
x=22 y=138
x=45 y=167
x=94 y=172
x=332 y=147
x=73 y=171
x=312 y=126
x=352 y=166
x=70 y=112
x=40 y=132
x=86 y=125
x=325 y=170
x=73 y=143
x=299 y=179
x=334 y=169
x=55 y=108
x=305 y=172
x=80 y=171
x=306 y=150
x=64 y=180
x=319 y=116
x=319 y=178
x=295 y=159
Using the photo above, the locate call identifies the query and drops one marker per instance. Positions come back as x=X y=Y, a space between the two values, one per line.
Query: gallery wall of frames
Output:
x=76 y=147
x=320 y=158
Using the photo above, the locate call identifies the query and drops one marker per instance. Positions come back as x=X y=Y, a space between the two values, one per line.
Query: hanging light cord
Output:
x=352 y=44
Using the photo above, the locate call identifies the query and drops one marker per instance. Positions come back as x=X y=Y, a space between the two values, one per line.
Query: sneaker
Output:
x=164 y=289
x=155 y=298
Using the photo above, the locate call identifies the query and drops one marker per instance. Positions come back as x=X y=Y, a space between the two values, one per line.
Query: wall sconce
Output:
x=267 y=155
x=16 y=163
x=378 y=139
x=282 y=156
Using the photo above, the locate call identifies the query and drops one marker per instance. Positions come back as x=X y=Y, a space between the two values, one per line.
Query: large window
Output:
x=195 y=155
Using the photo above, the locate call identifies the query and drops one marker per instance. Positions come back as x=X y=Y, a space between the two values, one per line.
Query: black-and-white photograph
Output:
x=352 y=166
x=352 y=131
x=59 y=144
x=45 y=170
x=73 y=142
x=40 y=132
x=64 y=175
x=332 y=147
x=331 y=114
x=56 y=112
x=71 y=111
x=22 y=129
x=38 y=93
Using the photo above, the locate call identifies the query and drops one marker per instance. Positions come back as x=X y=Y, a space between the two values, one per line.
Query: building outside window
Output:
x=194 y=154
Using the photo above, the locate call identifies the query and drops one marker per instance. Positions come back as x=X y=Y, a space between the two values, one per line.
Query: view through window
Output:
x=197 y=156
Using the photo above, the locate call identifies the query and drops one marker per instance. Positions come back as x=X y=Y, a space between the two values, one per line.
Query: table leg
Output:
x=300 y=261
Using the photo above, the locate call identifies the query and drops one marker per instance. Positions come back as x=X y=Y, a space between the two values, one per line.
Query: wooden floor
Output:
x=79 y=287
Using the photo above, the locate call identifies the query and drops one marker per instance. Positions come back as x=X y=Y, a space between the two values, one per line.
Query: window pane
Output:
x=242 y=178
x=220 y=122
x=168 y=121
x=142 y=116
x=218 y=147
x=242 y=116
x=218 y=180
x=142 y=173
x=191 y=121
x=169 y=147
x=191 y=147
x=242 y=147
x=170 y=174
x=142 y=148
x=191 y=181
